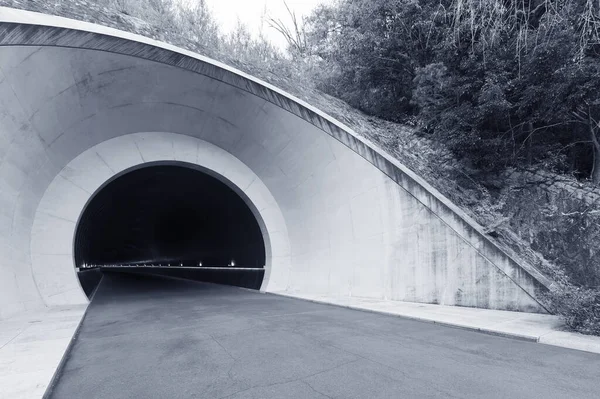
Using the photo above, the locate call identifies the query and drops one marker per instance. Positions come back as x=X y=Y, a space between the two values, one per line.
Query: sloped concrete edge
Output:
x=565 y=339
x=29 y=360
x=65 y=356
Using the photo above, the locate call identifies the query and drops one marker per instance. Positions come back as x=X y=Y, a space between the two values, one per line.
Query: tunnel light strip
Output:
x=85 y=266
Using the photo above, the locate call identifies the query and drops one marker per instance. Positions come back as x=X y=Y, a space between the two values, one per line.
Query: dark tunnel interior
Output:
x=168 y=214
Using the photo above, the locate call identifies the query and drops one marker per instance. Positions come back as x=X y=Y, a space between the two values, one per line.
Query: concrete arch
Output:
x=55 y=221
x=359 y=223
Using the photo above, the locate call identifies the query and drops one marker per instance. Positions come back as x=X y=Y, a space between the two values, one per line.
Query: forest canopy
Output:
x=501 y=82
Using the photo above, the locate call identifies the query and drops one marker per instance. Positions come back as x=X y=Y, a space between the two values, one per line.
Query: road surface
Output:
x=152 y=337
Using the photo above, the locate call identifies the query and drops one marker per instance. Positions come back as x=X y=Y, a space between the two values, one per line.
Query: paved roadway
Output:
x=147 y=337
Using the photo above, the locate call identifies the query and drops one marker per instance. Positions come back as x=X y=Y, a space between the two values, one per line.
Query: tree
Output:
x=501 y=82
x=376 y=46
x=295 y=35
x=196 y=22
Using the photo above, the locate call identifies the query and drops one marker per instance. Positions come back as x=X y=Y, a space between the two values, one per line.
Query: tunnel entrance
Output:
x=170 y=215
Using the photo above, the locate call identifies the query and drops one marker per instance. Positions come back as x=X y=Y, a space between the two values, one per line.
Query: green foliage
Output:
x=374 y=50
x=497 y=81
x=579 y=307
x=564 y=241
x=557 y=224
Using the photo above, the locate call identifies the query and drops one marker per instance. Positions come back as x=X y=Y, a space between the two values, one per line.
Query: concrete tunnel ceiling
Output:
x=81 y=103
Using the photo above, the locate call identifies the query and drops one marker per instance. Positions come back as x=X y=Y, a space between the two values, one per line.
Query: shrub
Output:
x=579 y=307
x=501 y=82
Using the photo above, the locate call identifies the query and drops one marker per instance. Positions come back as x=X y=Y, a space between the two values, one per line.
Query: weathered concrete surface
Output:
x=31 y=347
x=82 y=103
x=158 y=338
x=55 y=221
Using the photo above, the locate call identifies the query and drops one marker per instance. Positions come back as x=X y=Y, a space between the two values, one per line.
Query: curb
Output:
x=520 y=337
x=544 y=339
x=63 y=360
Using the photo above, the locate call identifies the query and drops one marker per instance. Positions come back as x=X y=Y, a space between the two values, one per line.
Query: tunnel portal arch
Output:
x=64 y=202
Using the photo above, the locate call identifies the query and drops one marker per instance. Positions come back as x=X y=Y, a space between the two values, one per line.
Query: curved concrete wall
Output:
x=355 y=221
x=55 y=221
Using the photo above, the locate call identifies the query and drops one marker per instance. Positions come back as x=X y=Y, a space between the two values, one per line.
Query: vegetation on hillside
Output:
x=501 y=82
x=495 y=102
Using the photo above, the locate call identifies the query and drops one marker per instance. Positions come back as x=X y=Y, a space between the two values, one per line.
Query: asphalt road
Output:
x=148 y=337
